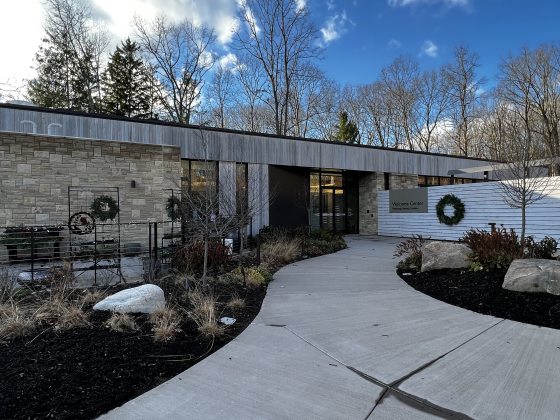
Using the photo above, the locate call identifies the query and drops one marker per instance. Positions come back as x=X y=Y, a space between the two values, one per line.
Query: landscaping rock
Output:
x=147 y=299
x=438 y=255
x=533 y=275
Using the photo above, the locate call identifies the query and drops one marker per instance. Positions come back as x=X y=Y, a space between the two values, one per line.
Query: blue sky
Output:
x=359 y=36
x=377 y=32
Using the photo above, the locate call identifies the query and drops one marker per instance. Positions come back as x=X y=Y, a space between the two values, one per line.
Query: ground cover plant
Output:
x=61 y=359
x=479 y=288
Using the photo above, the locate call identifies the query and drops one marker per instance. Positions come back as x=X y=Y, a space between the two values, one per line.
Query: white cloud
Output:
x=334 y=27
x=300 y=5
x=448 y=3
x=330 y=4
x=429 y=48
x=394 y=44
x=228 y=61
x=218 y=14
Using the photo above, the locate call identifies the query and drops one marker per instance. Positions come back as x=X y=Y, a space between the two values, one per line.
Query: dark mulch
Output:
x=482 y=292
x=85 y=372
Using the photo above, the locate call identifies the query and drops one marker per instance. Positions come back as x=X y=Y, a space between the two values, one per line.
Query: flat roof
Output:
x=225 y=130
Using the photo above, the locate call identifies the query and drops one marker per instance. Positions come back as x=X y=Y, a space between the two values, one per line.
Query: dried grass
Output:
x=122 y=323
x=14 y=321
x=91 y=297
x=236 y=303
x=281 y=251
x=204 y=313
x=8 y=284
x=166 y=324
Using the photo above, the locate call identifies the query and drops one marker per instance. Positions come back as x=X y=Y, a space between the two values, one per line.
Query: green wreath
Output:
x=458 y=206
x=173 y=207
x=104 y=208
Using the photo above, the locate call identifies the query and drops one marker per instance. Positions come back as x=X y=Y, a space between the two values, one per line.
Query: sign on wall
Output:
x=413 y=200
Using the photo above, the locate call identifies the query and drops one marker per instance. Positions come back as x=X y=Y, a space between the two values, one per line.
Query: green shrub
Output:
x=495 y=249
x=542 y=249
x=253 y=276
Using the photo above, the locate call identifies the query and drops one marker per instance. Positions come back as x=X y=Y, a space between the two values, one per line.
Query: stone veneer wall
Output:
x=35 y=172
x=369 y=185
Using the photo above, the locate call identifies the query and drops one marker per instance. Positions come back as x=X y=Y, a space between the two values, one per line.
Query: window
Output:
x=200 y=183
x=241 y=188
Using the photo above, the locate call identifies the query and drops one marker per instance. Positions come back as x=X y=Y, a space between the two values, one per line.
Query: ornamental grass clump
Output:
x=495 y=249
x=166 y=324
x=14 y=321
x=122 y=323
x=204 y=313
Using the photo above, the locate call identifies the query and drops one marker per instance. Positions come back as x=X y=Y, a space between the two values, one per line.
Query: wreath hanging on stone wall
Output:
x=104 y=208
x=458 y=207
x=173 y=207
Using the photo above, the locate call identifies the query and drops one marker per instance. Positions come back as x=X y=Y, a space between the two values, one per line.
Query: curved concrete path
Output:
x=343 y=337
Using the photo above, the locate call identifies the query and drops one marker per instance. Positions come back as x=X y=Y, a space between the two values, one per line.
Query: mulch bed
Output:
x=85 y=372
x=482 y=292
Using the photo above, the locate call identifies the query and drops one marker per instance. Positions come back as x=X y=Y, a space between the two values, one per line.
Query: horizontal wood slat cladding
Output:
x=234 y=146
x=483 y=204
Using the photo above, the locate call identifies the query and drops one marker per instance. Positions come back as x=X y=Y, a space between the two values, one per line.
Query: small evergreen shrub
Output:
x=545 y=248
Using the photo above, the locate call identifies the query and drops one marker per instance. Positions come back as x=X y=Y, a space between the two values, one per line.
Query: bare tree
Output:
x=522 y=147
x=280 y=37
x=464 y=85
x=432 y=104
x=180 y=55
x=221 y=95
x=400 y=81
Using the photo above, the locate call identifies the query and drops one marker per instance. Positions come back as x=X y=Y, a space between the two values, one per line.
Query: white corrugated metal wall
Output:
x=484 y=204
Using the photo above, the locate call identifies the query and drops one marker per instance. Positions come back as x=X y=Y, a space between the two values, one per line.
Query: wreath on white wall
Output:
x=458 y=209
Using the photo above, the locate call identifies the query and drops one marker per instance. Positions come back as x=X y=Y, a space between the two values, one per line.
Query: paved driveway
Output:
x=343 y=337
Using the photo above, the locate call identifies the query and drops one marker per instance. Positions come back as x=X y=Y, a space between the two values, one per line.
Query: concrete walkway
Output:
x=343 y=337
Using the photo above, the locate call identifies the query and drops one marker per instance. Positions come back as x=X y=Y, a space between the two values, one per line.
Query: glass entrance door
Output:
x=333 y=201
x=333 y=209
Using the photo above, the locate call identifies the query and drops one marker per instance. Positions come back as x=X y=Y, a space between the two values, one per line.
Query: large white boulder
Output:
x=437 y=255
x=533 y=275
x=147 y=299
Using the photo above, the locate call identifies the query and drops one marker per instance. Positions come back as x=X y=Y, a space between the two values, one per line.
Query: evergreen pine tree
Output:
x=346 y=130
x=126 y=83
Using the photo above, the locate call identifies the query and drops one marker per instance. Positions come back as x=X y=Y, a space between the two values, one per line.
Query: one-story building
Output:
x=44 y=154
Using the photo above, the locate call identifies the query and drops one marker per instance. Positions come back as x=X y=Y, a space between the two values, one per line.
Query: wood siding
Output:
x=233 y=146
x=483 y=204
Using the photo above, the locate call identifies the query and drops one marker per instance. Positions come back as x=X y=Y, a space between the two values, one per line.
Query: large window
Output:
x=241 y=189
x=430 y=181
x=200 y=187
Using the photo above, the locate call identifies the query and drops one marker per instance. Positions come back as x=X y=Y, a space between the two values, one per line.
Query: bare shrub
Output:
x=411 y=249
x=166 y=324
x=204 y=313
x=281 y=251
x=122 y=323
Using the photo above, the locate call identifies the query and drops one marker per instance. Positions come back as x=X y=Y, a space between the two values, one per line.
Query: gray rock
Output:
x=437 y=255
x=147 y=299
x=533 y=275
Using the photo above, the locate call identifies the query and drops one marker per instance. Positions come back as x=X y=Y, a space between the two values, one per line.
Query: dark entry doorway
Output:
x=333 y=201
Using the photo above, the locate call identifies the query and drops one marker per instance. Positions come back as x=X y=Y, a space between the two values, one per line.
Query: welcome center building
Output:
x=321 y=184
